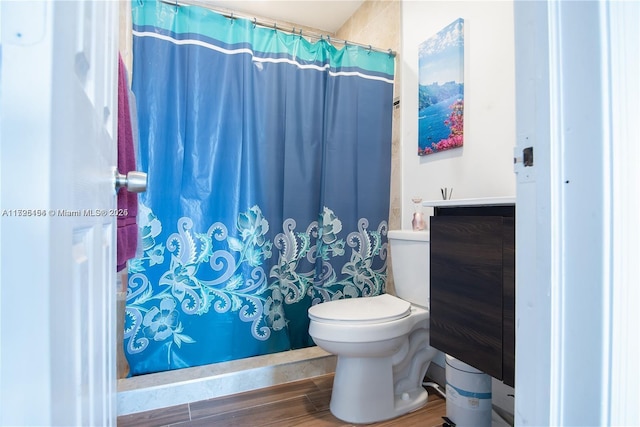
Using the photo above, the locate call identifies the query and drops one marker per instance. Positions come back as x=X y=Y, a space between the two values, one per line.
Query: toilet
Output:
x=381 y=342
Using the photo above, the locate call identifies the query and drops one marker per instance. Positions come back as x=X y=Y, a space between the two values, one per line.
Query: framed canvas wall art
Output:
x=441 y=90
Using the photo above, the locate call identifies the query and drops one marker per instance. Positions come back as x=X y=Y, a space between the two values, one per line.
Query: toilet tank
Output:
x=410 y=265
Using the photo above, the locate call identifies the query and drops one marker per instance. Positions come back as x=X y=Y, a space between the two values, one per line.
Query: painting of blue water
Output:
x=441 y=90
x=431 y=121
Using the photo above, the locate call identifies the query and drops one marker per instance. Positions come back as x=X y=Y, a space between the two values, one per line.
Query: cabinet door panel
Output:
x=509 y=302
x=466 y=282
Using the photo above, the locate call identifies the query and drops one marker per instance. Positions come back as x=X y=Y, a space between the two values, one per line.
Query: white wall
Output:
x=483 y=167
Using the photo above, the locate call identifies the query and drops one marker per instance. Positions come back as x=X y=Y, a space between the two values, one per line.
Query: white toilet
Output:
x=381 y=342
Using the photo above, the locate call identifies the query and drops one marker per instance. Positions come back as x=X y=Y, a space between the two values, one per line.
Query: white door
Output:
x=58 y=100
x=578 y=235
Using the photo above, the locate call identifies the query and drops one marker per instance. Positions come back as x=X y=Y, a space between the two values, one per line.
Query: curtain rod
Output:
x=273 y=24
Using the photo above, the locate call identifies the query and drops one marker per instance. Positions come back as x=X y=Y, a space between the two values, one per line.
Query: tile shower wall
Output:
x=379 y=23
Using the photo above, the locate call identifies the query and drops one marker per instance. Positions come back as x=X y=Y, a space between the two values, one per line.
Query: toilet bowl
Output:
x=381 y=342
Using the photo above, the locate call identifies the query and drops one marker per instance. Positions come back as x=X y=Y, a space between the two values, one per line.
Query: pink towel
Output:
x=127 y=232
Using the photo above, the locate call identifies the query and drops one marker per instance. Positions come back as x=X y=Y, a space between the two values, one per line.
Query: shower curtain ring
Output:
x=255 y=22
x=390 y=52
x=369 y=53
x=275 y=26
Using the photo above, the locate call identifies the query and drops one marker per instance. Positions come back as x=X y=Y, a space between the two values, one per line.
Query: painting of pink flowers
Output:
x=441 y=90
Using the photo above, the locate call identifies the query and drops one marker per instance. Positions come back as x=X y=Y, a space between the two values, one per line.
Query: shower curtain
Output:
x=268 y=160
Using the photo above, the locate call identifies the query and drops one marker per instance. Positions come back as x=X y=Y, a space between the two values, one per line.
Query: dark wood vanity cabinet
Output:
x=472 y=285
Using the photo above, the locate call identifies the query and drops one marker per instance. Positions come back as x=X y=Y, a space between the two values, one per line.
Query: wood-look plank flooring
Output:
x=301 y=403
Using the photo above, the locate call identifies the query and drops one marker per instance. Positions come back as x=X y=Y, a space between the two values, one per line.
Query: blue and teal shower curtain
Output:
x=269 y=164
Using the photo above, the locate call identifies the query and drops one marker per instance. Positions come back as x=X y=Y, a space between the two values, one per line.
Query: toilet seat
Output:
x=361 y=311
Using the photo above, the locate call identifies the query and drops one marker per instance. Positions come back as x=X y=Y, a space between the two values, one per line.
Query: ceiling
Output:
x=325 y=15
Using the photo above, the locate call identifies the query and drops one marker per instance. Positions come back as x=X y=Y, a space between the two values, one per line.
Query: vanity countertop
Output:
x=484 y=201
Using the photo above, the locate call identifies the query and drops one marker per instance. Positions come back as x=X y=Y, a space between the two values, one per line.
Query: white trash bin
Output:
x=468 y=394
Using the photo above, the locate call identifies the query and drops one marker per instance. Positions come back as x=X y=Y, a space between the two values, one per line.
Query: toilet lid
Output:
x=378 y=309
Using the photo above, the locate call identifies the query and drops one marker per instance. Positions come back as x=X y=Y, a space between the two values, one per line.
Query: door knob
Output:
x=134 y=181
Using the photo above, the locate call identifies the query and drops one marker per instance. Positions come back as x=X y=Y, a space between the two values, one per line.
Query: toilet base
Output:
x=361 y=397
